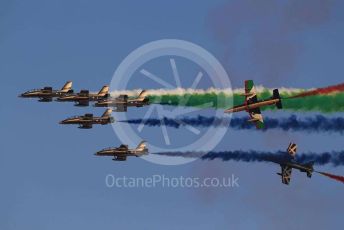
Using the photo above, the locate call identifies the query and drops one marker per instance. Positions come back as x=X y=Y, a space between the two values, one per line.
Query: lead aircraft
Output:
x=122 y=102
x=47 y=93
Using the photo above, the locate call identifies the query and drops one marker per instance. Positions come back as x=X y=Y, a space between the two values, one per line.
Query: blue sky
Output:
x=50 y=178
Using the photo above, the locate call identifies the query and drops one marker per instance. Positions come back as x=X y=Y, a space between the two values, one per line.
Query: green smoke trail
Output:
x=322 y=103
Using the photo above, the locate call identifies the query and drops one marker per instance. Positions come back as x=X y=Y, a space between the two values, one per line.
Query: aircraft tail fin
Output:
x=107 y=113
x=276 y=95
x=141 y=146
x=142 y=95
x=67 y=87
x=104 y=91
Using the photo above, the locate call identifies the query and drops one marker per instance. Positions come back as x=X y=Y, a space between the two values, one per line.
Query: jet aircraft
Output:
x=84 y=97
x=252 y=104
x=288 y=162
x=88 y=120
x=122 y=152
x=47 y=93
x=122 y=102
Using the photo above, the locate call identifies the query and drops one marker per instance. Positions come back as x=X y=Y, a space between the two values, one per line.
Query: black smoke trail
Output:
x=333 y=158
x=311 y=124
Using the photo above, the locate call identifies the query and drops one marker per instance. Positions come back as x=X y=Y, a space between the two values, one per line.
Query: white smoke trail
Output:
x=182 y=91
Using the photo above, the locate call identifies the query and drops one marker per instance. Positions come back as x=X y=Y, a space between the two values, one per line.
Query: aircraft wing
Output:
x=120 y=158
x=250 y=91
x=286 y=174
x=257 y=117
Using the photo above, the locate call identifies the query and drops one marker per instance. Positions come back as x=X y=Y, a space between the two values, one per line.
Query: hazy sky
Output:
x=50 y=178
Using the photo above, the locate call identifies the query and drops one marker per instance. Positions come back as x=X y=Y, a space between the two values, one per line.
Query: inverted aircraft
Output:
x=252 y=105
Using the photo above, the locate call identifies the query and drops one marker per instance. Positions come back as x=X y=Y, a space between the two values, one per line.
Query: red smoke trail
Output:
x=325 y=90
x=335 y=177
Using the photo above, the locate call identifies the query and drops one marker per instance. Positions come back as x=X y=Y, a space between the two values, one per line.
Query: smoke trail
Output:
x=328 y=99
x=325 y=90
x=228 y=91
x=310 y=124
x=183 y=91
x=323 y=102
x=334 y=158
x=335 y=177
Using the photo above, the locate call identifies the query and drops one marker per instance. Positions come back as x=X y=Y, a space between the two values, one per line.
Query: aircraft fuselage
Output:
x=90 y=97
x=85 y=120
x=250 y=106
x=121 y=152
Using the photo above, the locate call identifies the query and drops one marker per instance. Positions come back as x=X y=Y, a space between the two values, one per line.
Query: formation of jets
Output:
x=84 y=97
x=100 y=99
x=121 y=103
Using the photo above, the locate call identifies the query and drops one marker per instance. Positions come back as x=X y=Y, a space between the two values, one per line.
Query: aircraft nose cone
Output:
x=63 y=122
